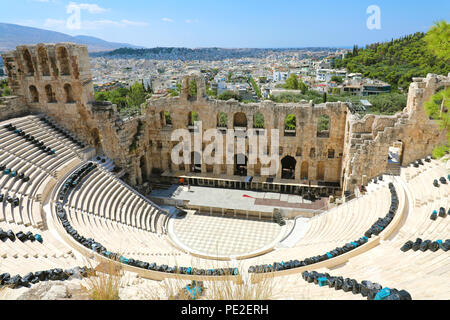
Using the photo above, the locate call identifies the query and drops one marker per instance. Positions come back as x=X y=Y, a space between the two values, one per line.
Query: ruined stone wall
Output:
x=11 y=107
x=306 y=147
x=55 y=79
x=369 y=139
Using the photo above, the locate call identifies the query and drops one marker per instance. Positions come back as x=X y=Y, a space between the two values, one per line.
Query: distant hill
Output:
x=208 y=54
x=396 y=61
x=12 y=35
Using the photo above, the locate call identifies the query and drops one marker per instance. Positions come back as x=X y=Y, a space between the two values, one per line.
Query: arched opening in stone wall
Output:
x=320 y=171
x=312 y=153
x=330 y=153
x=240 y=165
x=323 y=126
x=299 y=152
x=304 y=170
x=395 y=154
x=50 y=94
x=192 y=117
x=29 y=68
x=240 y=120
x=166 y=119
x=43 y=61
x=222 y=120
x=63 y=58
x=192 y=92
x=68 y=93
x=288 y=164
x=34 y=95
x=196 y=162
x=258 y=121
x=290 y=126
x=144 y=169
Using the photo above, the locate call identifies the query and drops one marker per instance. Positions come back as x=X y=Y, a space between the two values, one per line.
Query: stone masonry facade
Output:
x=56 y=80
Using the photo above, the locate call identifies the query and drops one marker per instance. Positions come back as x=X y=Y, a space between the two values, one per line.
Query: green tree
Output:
x=437 y=108
x=337 y=79
x=137 y=95
x=437 y=39
x=193 y=88
x=303 y=87
x=292 y=82
x=227 y=95
x=324 y=97
x=255 y=87
x=223 y=119
x=291 y=122
x=258 y=120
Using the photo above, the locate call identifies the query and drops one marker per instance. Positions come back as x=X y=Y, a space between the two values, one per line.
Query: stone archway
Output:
x=43 y=61
x=29 y=68
x=240 y=165
x=288 y=165
x=50 y=94
x=240 y=120
x=63 y=58
x=34 y=94
x=68 y=93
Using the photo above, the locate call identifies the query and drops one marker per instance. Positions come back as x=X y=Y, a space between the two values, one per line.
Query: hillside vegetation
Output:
x=396 y=61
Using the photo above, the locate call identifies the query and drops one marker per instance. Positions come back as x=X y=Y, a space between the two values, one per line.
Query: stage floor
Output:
x=237 y=199
x=224 y=236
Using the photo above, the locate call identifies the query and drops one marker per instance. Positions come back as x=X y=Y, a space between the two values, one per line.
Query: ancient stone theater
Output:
x=83 y=178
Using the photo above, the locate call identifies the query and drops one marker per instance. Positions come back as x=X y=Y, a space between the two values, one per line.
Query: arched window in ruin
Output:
x=166 y=119
x=192 y=118
x=63 y=58
x=304 y=170
x=196 y=162
x=299 y=152
x=240 y=120
x=258 y=121
x=43 y=61
x=34 y=95
x=50 y=94
x=320 y=171
x=288 y=164
x=68 y=93
x=240 y=165
x=222 y=120
x=192 y=93
x=323 y=126
x=330 y=153
x=312 y=153
x=29 y=68
x=144 y=169
x=290 y=125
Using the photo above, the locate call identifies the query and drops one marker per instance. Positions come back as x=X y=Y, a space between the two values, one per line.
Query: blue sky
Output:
x=230 y=23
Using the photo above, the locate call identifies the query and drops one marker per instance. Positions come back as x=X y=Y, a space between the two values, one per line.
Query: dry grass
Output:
x=103 y=283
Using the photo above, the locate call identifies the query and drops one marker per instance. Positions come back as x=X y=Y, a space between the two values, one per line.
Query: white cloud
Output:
x=167 y=19
x=191 y=21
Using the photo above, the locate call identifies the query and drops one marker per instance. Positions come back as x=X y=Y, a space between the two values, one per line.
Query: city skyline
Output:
x=249 y=24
